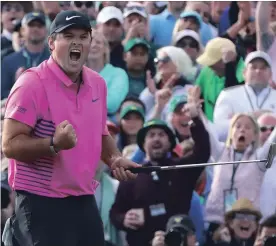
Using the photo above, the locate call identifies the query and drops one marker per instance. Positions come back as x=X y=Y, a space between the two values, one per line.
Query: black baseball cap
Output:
x=70 y=18
x=34 y=16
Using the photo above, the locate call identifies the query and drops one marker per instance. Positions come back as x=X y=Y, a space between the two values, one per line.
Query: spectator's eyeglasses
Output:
x=138 y=8
x=187 y=43
x=249 y=217
x=266 y=128
x=8 y=7
x=88 y=5
x=164 y=60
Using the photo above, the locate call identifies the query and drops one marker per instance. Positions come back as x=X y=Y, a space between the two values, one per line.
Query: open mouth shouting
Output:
x=75 y=55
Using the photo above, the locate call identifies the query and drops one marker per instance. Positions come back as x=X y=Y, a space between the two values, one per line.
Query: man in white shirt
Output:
x=253 y=97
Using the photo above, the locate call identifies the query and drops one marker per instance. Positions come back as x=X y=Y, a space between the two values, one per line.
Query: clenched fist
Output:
x=65 y=136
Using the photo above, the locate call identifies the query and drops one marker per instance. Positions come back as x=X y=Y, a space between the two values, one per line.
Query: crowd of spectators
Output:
x=187 y=82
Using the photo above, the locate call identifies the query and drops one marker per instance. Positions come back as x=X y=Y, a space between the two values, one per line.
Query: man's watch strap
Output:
x=52 y=147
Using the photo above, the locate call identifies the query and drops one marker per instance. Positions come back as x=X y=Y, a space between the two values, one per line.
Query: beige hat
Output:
x=242 y=205
x=213 y=51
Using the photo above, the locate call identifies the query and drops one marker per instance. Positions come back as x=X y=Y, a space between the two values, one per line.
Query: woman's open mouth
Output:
x=241 y=139
x=75 y=55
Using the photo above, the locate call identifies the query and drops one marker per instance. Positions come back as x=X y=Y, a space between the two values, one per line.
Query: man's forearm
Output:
x=265 y=37
x=27 y=149
x=110 y=152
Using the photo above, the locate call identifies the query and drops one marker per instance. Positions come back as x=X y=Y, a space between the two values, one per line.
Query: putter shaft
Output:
x=210 y=164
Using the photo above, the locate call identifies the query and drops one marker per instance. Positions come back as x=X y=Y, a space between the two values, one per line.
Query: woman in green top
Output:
x=116 y=78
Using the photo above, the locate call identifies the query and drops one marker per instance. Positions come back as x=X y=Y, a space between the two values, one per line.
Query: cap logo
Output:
x=72 y=17
x=178 y=219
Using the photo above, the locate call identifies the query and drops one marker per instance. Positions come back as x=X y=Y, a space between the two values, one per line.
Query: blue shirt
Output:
x=11 y=63
x=161 y=28
x=117 y=84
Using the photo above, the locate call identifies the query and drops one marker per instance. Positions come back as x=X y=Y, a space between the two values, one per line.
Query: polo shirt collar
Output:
x=166 y=14
x=54 y=67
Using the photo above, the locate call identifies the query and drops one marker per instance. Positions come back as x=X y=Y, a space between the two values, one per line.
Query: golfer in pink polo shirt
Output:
x=55 y=135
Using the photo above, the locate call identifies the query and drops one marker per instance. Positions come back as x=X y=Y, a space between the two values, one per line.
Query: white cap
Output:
x=135 y=8
x=108 y=13
x=258 y=54
x=186 y=33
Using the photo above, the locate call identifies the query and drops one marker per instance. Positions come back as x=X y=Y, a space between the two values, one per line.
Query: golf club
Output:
x=269 y=160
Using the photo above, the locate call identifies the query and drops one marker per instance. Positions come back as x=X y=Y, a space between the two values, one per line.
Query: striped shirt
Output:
x=42 y=98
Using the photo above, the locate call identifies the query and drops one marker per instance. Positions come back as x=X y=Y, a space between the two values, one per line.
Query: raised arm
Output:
x=265 y=36
x=216 y=146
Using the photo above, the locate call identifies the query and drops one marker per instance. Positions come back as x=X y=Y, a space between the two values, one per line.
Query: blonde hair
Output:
x=181 y=60
x=96 y=33
x=177 y=27
x=234 y=119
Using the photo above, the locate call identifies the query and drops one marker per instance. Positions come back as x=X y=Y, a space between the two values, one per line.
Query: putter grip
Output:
x=144 y=169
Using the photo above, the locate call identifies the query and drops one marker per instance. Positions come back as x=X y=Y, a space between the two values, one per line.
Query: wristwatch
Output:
x=52 y=147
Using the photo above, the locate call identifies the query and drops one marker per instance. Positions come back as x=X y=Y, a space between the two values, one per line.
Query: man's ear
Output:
x=51 y=43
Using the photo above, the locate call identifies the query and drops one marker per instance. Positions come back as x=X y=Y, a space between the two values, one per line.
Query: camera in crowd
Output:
x=270 y=241
x=178 y=229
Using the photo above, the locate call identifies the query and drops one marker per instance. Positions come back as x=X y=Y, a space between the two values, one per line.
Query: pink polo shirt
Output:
x=42 y=98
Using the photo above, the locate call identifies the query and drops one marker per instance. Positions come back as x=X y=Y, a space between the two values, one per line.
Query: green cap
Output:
x=131 y=109
x=176 y=100
x=155 y=123
x=134 y=42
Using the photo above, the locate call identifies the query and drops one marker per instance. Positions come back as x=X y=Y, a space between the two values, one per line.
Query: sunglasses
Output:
x=164 y=60
x=183 y=43
x=266 y=128
x=249 y=217
x=138 y=8
x=8 y=7
x=88 y=5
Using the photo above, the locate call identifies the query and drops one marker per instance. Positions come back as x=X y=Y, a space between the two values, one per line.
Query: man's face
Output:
x=244 y=225
x=190 y=46
x=180 y=121
x=85 y=7
x=11 y=12
x=157 y=143
x=267 y=125
x=35 y=32
x=70 y=49
x=190 y=23
x=202 y=8
x=112 y=30
x=132 y=19
x=257 y=73
x=137 y=58
x=177 y=6
x=218 y=68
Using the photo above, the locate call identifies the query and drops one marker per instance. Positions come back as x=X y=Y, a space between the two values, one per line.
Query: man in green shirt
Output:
x=222 y=68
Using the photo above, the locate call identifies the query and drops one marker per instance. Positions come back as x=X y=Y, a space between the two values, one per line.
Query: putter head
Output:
x=271 y=155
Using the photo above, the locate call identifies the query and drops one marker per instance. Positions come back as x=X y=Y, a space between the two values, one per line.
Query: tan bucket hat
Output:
x=243 y=205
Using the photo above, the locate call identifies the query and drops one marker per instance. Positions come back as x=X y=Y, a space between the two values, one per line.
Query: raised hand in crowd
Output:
x=152 y=85
x=134 y=219
x=228 y=55
x=194 y=95
x=159 y=239
x=137 y=30
x=244 y=13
